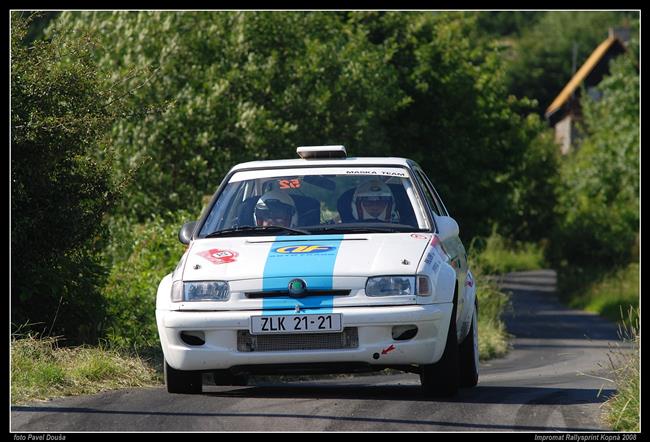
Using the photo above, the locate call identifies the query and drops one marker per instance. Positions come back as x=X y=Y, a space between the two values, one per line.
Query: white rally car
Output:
x=321 y=264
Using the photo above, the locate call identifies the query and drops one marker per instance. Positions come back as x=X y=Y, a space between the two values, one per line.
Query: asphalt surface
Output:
x=550 y=381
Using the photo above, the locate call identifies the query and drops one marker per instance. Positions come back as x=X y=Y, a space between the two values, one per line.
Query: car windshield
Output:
x=317 y=200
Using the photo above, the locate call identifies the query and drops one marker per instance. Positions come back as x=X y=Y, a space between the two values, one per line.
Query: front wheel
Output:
x=442 y=378
x=468 y=353
x=183 y=382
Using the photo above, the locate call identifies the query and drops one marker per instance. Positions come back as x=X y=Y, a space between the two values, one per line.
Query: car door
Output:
x=453 y=246
x=458 y=244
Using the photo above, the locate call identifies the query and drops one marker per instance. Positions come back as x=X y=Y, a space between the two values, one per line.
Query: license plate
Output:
x=296 y=323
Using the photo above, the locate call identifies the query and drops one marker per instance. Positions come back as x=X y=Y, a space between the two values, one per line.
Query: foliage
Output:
x=506 y=23
x=492 y=301
x=461 y=124
x=496 y=255
x=595 y=245
x=241 y=86
x=146 y=253
x=493 y=335
x=603 y=293
x=598 y=201
x=36 y=22
x=62 y=182
x=41 y=369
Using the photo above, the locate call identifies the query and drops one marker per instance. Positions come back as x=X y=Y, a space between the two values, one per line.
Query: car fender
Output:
x=163 y=296
x=435 y=264
x=469 y=294
x=444 y=284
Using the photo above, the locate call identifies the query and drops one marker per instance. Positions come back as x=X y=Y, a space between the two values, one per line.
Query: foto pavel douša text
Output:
x=39 y=436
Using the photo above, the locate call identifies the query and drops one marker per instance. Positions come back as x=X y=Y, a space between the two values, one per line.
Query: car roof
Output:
x=344 y=162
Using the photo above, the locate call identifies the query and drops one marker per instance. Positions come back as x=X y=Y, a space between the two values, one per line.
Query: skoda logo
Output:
x=297 y=287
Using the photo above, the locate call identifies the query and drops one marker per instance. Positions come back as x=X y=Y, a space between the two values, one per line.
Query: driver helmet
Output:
x=373 y=200
x=275 y=208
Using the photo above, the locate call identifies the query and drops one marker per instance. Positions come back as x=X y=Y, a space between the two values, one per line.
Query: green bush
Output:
x=476 y=141
x=62 y=182
x=142 y=255
x=241 y=86
x=598 y=190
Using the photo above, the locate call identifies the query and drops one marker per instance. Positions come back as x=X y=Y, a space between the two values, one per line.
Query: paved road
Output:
x=548 y=382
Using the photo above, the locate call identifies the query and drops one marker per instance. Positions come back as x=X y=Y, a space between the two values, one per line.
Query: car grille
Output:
x=246 y=342
x=286 y=294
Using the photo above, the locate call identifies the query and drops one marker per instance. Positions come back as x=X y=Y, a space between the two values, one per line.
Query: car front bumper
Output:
x=374 y=328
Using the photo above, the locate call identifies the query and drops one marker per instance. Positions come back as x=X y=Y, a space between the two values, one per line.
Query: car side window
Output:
x=436 y=197
x=428 y=192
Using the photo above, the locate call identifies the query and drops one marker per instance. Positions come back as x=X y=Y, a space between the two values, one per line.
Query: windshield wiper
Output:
x=246 y=230
x=352 y=228
x=357 y=229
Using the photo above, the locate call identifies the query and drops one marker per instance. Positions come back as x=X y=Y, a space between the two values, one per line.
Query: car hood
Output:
x=314 y=256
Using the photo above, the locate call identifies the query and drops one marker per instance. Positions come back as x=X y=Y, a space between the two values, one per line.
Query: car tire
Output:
x=442 y=378
x=225 y=377
x=183 y=382
x=469 y=355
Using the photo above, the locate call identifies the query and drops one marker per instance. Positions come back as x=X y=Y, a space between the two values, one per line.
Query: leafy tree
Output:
x=598 y=208
x=37 y=21
x=242 y=86
x=506 y=23
x=148 y=251
x=60 y=187
x=461 y=125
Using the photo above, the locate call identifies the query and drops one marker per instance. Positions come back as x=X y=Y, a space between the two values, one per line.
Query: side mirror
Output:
x=447 y=227
x=185 y=234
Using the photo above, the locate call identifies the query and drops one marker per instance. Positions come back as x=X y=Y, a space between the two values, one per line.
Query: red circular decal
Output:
x=219 y=256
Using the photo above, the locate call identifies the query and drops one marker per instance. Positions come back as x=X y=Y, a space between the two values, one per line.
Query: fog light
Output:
x=193 y=337
x=404 y=332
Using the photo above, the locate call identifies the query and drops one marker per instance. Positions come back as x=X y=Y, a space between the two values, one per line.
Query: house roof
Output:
x=588 y=66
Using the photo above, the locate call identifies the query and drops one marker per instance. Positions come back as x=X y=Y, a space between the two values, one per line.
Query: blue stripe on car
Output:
x=310 y=258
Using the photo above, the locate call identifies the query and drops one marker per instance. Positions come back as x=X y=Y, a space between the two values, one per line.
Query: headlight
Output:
x=200 y=291
x=390 y=286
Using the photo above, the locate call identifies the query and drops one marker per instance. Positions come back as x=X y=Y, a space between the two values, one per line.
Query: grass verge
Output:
x=494 y=338
x=489 y=257
x=492 y=303
x=610 y=293
x=41 y=369
x=623 y=409
x=604 y=293
x=497 y=255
